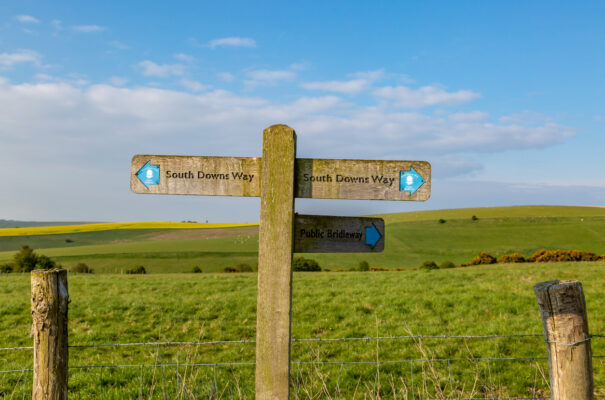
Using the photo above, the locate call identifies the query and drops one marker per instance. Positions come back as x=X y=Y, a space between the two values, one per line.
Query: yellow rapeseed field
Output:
x=55 y=230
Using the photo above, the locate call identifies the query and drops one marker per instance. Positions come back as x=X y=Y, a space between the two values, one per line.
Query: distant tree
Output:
x=25 y=259
x=441 y=221
x=196 y=270
x=44 y=262
x=474 y=218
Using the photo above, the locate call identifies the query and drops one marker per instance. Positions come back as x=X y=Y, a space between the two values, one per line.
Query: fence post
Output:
x=563 y=310
x=49 y=299
x=276 y=243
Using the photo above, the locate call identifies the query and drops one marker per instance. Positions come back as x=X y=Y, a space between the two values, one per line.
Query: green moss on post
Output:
x=49 y=300
x=274 y=307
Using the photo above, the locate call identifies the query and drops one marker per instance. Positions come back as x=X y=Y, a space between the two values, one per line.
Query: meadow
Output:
x=483 y=300
x=411 y=238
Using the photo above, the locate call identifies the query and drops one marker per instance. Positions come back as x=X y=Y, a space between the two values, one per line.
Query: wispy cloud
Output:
x=268 y=77
x=226 y=76
x=194 y=86
x=27 y=19
x=426 y=96
x=184 y=57
x=232 y=42
x=118 y=45
x=19 y=57
x=57 y=24
x=525 y=117
x=118 y=81
x=88 y=28
x=362 y=81
x=149 y=68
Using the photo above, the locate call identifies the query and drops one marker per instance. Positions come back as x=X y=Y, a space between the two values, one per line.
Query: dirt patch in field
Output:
x=177 y=234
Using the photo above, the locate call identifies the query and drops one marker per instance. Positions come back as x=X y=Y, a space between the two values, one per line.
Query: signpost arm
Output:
x=274 y=306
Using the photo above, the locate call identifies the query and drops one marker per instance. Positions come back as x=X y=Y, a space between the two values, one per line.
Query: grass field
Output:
x=207 y=307
x=411 y=238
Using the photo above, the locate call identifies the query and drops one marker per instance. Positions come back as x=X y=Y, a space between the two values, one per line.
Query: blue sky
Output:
x=505 y=99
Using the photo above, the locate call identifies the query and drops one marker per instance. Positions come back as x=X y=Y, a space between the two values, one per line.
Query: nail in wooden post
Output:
x=49 y=299
x=275 y=264
x=563 y=311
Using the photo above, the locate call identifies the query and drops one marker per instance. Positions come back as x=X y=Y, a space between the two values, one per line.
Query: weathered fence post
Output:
x=49 y=299
x=563 y=311
x=276 y=244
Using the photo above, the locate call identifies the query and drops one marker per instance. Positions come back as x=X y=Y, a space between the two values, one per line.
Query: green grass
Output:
x=206 y=307
x=411 y=238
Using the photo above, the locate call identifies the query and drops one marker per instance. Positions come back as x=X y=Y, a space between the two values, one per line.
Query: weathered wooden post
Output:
x=49 y=300
x=276 y=245
x=278 y=178
x=563 y=310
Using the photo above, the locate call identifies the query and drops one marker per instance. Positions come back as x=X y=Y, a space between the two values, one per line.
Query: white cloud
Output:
x=118 y=81
x=118 y=45
x=88 y=135
x=149 y=68
x=362 y=82
x=88 y=28
x=226 y=76
x=184 y=57
x=19 y=57
x=194 y=86
x=268 y=77
x=525 y=117
x=232 y=42
x=426 y=96
x=473 y=116
x=27 y=19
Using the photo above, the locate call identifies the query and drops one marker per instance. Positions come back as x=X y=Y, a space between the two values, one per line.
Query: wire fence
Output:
x=427 y=377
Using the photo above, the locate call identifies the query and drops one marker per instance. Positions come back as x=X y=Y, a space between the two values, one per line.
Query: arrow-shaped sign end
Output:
x=149 y=174
x=372 y=236
x=410 y=181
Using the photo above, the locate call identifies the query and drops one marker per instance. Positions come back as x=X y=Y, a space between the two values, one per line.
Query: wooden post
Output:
x=563 y=311
x=49 y=299
x=274 y=306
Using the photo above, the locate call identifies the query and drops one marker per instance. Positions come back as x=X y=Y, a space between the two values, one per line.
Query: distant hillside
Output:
x=8 y=223
x=455 y=235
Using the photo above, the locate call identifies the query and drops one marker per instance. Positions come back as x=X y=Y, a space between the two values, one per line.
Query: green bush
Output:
x=363 y=266
x=25 y=259
x=474 y=218
x=196 y=270
x=243 y=267
x=483 y=258
x=512 y=258
x=229 y=269
x=302 y=264
x=441 y=221
x=429 y=265
x=446 y=265
x=6 y=268
x=44 y=262
x=139 y=269
x=82 y=268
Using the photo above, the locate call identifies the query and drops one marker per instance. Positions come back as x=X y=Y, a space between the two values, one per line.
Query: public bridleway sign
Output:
x=278 y=178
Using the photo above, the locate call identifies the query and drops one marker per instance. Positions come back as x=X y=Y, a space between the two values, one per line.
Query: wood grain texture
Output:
x=563 y=310
x=274 y=307
x=358 y=179
x=202 y=176
x=328 y=234
x=315 y=178
x=49 y=300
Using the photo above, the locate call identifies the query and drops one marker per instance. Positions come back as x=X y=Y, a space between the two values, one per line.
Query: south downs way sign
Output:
x=314 y=178
x=278 y=178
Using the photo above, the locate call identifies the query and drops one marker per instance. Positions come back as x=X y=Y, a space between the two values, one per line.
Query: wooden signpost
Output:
x=278 y=178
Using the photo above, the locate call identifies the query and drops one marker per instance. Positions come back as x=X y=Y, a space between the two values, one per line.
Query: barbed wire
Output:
x=298 y=340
